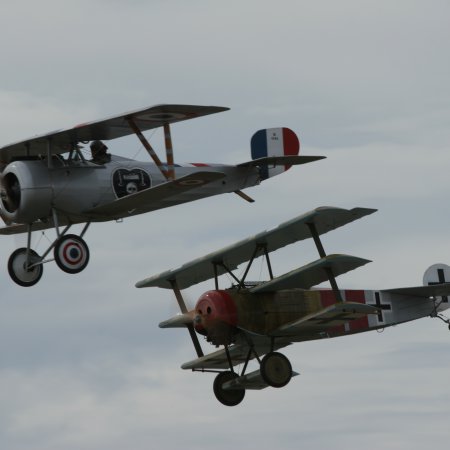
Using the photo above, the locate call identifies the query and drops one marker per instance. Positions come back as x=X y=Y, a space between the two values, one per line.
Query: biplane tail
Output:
x=276 y=150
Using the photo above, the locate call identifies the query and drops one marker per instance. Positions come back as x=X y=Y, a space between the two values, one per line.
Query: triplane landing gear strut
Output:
x=275 y=370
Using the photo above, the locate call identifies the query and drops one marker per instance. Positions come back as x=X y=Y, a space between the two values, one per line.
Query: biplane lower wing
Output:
x=321 y=322
x=18 y=228
x=312 y=274
x=323 y=219
x=154 y=196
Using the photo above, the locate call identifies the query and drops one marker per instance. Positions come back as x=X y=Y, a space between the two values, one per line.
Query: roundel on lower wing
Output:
x=130 y=181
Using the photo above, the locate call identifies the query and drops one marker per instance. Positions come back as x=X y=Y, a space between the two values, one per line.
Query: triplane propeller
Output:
x=47 y=182
x=254 y=320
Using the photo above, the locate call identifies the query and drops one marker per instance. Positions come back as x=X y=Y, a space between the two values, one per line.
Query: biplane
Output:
x=47 y=181
x=251 y=321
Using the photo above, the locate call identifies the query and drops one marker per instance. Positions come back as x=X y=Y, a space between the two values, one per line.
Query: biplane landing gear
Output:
x=228 y=397
x=71 y=253
x=276 y=370
x=25 y=267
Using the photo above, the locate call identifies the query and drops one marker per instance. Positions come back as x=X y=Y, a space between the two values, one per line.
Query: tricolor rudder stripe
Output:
x=274 y=142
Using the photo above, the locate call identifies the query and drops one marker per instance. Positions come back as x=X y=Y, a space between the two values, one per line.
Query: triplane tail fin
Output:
x=436 y=274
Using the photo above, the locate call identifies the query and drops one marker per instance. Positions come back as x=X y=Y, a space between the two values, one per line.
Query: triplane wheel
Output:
x=276 y=370
x=71 y=253
x=18 y=270
x=228 y=397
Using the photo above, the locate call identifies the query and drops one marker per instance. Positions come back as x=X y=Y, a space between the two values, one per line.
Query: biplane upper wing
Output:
x=156 y=196
x=324 y=219
x=312 y=274
x=111 y=128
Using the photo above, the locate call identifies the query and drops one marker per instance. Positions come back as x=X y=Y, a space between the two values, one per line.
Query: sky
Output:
x=83 y=364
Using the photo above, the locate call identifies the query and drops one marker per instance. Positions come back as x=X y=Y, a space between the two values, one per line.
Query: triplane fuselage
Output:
x=47 y=182
x=254 y=320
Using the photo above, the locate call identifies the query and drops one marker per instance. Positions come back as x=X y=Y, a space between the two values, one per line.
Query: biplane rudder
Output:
x=274 y=142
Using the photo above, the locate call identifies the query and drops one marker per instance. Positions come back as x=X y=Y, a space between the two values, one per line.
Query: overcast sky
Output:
x=83 y=364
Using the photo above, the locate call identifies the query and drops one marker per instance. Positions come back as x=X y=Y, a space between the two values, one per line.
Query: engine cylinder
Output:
x=26 y=191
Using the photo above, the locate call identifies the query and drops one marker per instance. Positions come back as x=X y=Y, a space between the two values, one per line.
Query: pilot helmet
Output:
x=98 y=147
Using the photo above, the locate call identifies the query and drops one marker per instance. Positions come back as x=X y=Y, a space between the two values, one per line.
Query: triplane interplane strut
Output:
x=254 y=320
x=47 y=182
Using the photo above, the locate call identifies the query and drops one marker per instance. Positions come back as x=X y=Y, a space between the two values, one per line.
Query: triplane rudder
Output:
x=253 y=320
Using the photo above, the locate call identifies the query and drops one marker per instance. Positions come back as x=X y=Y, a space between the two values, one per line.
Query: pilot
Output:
x=98 y=152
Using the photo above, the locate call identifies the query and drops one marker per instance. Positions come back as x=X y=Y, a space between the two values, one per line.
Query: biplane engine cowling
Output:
x=26 y=191
x=216 y=317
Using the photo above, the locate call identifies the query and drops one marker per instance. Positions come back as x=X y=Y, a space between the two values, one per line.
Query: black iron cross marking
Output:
x=380 y=307
x=441 y=279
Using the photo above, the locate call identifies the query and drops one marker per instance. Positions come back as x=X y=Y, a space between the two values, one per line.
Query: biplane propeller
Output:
x=252 y=321
x=47 y=182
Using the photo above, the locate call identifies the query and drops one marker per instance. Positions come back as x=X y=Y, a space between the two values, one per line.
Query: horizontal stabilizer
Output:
x=325 y=219
x=153 y=196
x=252 y=380
x=435 y=290
x=326 y=319
x=281 y=161
x=312 y=274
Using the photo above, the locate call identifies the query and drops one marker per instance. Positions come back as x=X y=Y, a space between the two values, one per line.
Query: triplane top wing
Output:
x=62 y=141
x=324 y=219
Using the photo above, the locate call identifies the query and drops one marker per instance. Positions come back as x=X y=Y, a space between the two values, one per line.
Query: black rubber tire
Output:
x=71 y=253
x=276 y=369
x=228 y=397
x=17 y=271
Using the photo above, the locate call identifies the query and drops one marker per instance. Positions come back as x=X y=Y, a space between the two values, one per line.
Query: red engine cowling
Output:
x=216 y=317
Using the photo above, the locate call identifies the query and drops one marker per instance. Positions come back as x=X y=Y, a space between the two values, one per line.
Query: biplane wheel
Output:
x=71 y=253
x=276 y=370
x=17 y=267
x=228 y=397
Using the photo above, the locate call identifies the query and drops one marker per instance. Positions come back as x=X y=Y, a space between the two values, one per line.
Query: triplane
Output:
x=47 y=182
x=254 y=320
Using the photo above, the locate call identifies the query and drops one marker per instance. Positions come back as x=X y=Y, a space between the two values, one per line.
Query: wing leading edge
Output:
x=113 y=127
x=324 y=218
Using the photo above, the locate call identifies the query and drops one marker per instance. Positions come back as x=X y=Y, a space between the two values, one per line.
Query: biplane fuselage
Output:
x=74 y=189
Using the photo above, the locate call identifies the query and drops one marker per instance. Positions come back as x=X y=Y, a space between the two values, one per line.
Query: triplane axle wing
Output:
x=252 y=321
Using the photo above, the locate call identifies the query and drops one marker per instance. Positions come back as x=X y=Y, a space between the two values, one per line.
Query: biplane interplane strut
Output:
x=252 y=321
x=46 y=181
